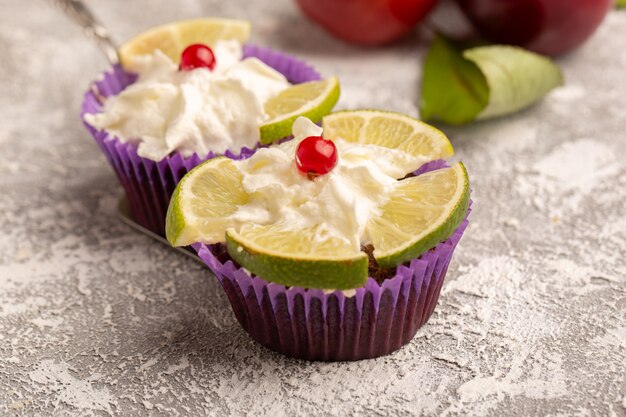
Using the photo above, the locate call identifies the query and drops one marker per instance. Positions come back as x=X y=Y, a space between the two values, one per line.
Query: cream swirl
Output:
x=339 y=203
x=197 y=111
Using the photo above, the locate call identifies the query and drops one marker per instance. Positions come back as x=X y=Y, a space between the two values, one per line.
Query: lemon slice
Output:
x=173 y=38
x=201 y=202
x=313 y=100
x=421 y=212
x=280 y=254
x=388 y=129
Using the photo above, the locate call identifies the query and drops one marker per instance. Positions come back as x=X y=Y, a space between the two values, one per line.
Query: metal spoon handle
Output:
x=78 y=11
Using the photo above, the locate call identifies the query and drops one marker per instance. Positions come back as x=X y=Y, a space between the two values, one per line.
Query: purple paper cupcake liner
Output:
x=315 y=325
x=149 y=184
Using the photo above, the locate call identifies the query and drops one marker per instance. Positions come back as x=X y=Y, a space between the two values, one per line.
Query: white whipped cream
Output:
x=196 y=111
x=340 y=203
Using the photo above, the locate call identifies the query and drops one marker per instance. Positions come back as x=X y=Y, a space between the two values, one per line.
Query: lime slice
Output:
x=199 y=210
x=173 y=38
x=388 y=129
x=280 y=254
x=202 y=201
x=313 y=100
x=421 y=212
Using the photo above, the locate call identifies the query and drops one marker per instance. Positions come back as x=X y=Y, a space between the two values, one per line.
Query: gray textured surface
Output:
x=97 y=319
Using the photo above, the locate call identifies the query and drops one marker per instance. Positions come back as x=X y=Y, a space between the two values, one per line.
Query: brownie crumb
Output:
x=374 y=270
x=221 y=253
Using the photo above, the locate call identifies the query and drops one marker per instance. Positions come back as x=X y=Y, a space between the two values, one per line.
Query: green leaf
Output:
x=454 y=90
x=482 y=82
x=516 y=77
x=620 y=4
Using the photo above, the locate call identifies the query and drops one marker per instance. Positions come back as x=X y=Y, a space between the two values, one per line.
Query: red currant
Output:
x=316 y=156
x=197 y=56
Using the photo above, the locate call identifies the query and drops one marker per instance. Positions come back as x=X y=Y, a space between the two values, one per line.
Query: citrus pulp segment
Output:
x=202 y=201
x=390 y=130
x=421 y=212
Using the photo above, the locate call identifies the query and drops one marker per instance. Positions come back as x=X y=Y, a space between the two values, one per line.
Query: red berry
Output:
x=197 y=56
x=316 y=156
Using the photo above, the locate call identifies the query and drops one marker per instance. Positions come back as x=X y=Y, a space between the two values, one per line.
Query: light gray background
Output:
x=98 y=319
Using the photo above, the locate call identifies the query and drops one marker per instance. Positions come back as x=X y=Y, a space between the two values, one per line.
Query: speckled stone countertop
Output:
x=97 y=319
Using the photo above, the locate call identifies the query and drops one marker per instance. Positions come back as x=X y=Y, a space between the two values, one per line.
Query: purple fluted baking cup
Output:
x=313 y=325
x=149 y=184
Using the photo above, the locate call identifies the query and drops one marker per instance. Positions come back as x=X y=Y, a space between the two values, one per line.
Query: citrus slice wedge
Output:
x=421 y=212
x=202 y=201
x=313 y=99
x=173 y=38
x=291 y=257
x=388 y=129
